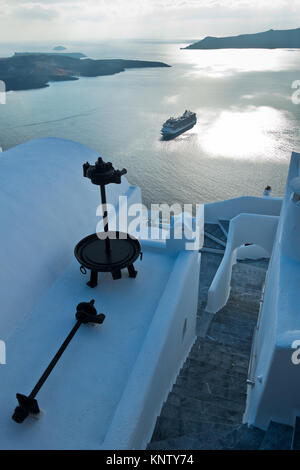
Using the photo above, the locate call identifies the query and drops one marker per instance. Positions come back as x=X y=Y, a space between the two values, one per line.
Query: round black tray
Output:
x=124 y=251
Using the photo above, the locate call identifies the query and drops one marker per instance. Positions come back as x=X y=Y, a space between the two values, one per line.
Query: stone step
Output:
x=259 y=263
x=210 y=345
x=215 y=377
x=212 y=251
x=235 y=342
x=216 y=409
x=240 y=313
x=244 y=330
x=215 y=390
x=234 y=319
x=252 y=266
x=218 y=358
x=247 y=301
x=242 y=304
x=240 y=438
x=277 y=437
x=188 y=414
x=219 y=361
x=179 y=443
x=235 y=336
x=219 y=327
x=212 y=242
x=241 y=310
x=199 y=367
x=167 y=428
x=215 y=239
x=230 y=368
x=248 y=438
x=232 y=348
x=225 y=442
x=216 y=231
x=244 y=297
x=243 y=321
x=200 y=441
x=247 y=277
x=206 y=397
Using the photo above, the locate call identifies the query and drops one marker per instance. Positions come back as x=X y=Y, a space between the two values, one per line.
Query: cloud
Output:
x=164 y=19
x=35 y=12
x=37 y=2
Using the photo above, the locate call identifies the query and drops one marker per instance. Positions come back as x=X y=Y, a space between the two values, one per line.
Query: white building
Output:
x=109 y=386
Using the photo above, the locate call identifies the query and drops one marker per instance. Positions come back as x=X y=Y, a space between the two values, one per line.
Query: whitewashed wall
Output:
x=245 y=204
x=168 y=342
x=275 y=392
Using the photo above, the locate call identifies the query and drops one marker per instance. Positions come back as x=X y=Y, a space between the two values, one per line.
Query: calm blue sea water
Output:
x=247 y=124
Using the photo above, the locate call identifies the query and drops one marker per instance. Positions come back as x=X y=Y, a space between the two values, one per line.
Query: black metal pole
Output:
x=85 y=313
x=55 y=360
x=105 y=217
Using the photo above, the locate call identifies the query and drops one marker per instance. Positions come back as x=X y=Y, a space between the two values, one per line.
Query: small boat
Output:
x=176 y=126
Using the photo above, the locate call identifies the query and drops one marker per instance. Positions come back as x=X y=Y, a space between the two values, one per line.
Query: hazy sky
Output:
x=63 y=20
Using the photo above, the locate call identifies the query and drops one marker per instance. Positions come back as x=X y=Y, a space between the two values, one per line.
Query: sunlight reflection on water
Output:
x=226 y=62
x=255 y=132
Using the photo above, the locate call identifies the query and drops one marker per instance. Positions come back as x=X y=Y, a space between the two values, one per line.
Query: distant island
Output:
x=272 y=39
x=25 y=71
x=59 y=48
x=75 y=55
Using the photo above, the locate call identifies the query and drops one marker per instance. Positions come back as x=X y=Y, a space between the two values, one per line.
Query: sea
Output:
x=247 y=122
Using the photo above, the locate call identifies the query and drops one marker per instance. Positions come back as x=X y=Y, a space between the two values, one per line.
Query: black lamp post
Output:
x=107 y=251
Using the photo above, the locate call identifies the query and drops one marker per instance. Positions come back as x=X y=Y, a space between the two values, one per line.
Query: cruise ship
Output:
x=176 y=126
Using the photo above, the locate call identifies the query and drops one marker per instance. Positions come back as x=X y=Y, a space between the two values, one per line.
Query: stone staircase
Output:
x=205 y=407
x=215 y=237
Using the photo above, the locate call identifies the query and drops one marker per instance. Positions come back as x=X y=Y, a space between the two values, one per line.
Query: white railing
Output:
x=254 y=229
x=246 y=204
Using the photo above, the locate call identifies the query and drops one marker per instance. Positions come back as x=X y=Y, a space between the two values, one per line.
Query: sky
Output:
x=69 y=20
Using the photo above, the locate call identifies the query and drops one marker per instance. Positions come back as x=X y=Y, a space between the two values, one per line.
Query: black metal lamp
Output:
x=108 y=251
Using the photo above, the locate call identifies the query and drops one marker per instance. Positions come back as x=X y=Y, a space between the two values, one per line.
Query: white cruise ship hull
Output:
x=172 y=133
